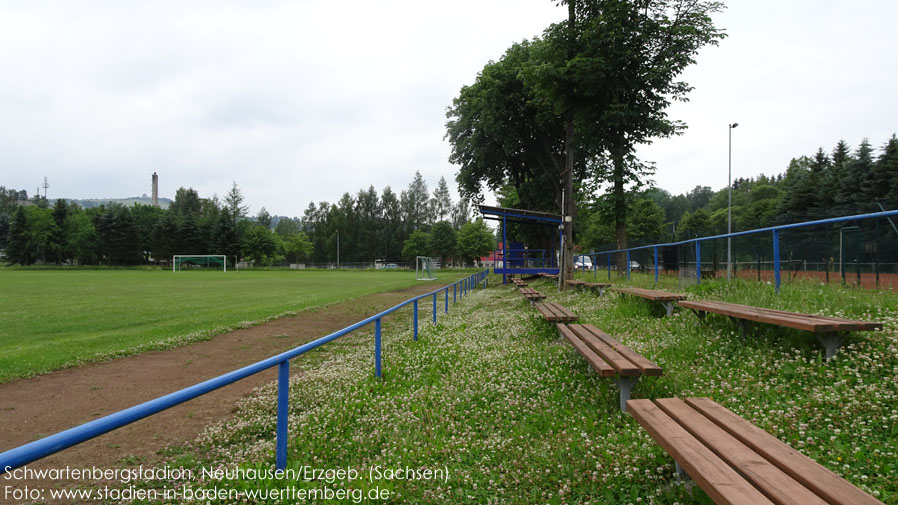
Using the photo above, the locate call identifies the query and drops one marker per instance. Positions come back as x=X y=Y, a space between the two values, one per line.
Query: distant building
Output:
x=22 y=199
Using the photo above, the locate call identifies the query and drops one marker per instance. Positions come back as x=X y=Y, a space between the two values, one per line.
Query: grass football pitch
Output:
x=50 y=319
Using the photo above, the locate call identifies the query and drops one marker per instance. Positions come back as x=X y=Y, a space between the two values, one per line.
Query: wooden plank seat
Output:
x=532 y=294
x=830 y=331
x=548 y=276
x=663 y=297
x=601 y=286
x=609 y=358
x=519 y=283
x=736 y=462
x=555 y=313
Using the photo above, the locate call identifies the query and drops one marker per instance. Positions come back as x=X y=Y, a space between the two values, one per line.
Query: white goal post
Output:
x=424 y=268
x=179 y=261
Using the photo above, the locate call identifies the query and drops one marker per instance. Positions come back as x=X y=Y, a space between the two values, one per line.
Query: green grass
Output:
x=516 y=416
x=51 y=319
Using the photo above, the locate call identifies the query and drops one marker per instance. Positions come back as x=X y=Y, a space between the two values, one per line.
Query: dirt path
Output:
x=44 y=405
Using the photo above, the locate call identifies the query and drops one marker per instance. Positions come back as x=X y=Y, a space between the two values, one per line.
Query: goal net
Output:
x=199 y=261
x=424 y=268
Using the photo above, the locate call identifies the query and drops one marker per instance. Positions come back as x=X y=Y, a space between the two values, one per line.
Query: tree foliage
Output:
x=606 y=77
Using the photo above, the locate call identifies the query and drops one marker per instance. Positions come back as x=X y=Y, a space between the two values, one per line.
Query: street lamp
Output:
x=730 y=206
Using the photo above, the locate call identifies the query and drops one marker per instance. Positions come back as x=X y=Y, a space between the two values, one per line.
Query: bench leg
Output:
x=601 y=291
x=668 y=306
x=625 y=384
x=830 y=342
x=741 y=323
x=700 y=314
x=680 y=471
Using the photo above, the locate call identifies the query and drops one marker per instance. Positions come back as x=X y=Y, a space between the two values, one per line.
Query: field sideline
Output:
x=51 y=319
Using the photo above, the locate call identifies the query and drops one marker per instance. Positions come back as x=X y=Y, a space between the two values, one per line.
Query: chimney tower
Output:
x=155 y=190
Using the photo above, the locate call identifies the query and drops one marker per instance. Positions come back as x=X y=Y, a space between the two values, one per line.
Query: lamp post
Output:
x=730 y=205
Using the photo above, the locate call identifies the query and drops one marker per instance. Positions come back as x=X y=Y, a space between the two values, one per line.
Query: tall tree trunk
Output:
x=568 y=251
x=567 y=270
x=619 y=205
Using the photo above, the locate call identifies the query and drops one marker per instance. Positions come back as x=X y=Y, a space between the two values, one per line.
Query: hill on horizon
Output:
x=88 y=203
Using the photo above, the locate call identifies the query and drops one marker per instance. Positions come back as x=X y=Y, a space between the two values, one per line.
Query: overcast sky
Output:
x=304 y=100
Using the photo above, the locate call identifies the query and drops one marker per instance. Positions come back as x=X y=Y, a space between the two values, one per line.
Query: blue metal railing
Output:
x=38 y=449
x=772 y=229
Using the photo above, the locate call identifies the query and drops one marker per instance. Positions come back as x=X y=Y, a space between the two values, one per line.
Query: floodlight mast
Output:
x=729 y=206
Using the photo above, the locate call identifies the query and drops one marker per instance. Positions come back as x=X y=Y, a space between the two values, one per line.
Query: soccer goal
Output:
x=204 y=261
x=424 y=268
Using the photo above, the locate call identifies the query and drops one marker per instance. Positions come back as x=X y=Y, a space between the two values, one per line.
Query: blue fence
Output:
x=38 y=449
x=773 y=230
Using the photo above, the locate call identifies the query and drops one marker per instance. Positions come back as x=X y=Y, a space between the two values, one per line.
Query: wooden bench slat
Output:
x=562 y=313
x=597 y=363
x=645 y=366
x=757 y=314
x=555 y=308
x=621 y=365
x=807 y=322
x=554 y=312
x=651 y=294
x=769 y=479
x=722 y=483
x=825 y=483
x=784 y=312
x=546 y=313
x=565 y=312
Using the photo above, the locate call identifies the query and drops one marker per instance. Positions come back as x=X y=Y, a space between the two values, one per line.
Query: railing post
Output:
x=283 y=403
x=656 y=264
x=434 y=308
x=504 y=250
x=698 y=261
x=416 y=320
x=446 y=308
x=594 y=262
x=628 y=264
x=377 y=347
x=455 y=293
x=776 y=260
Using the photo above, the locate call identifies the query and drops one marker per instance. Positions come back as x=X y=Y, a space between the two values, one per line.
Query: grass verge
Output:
x=511 y=414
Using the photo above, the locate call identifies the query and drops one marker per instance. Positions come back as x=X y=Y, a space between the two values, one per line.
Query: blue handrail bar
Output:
x=774 y=229
x=33 y=451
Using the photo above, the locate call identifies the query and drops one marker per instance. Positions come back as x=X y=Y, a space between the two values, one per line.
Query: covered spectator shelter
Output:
x=518 y=259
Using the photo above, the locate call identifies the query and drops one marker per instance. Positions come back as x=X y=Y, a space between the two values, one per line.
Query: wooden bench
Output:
x=548 y=276
x=555 y=313
x=609 y=358
x=664 y=297
x=532 y=294
x=830 y=331
x=591 y=285
x=519 y=283
x=736 y=462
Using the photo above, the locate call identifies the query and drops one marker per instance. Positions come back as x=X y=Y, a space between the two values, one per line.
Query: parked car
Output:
x=635 y=266
x=391 y=266
x=582 y=263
